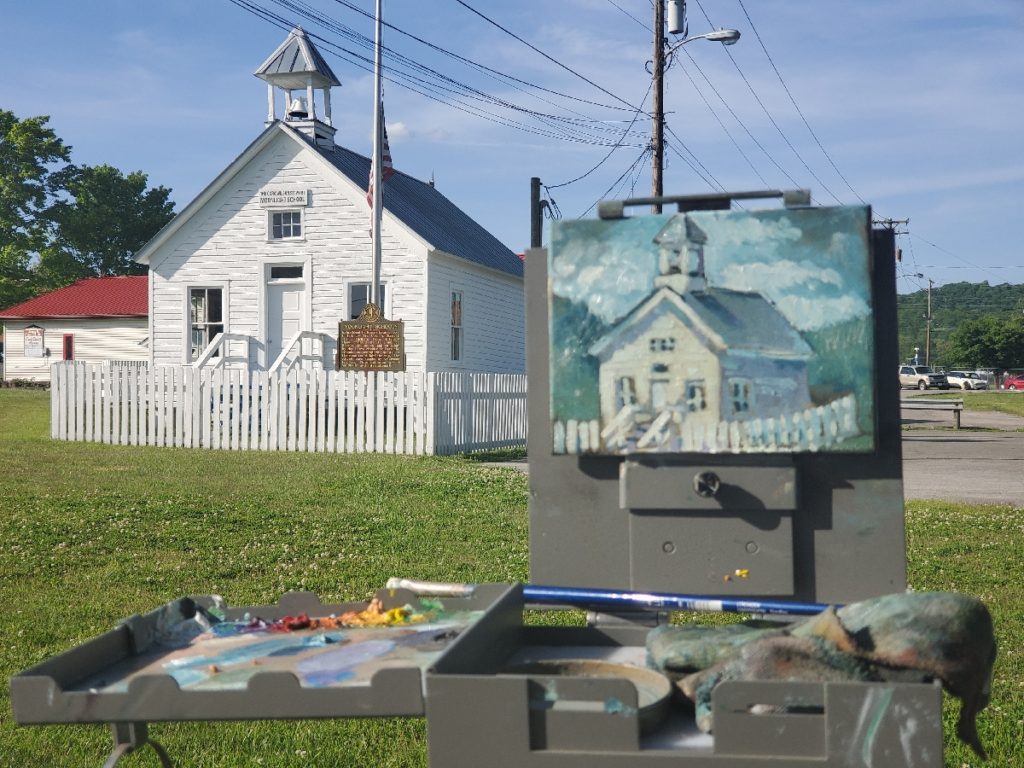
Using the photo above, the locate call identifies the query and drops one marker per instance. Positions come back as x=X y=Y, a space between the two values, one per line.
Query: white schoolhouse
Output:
x=279 y=243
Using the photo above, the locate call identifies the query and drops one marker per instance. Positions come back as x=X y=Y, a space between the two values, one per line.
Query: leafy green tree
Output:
x=105 y=219
x=993 y=341
x=32 y=167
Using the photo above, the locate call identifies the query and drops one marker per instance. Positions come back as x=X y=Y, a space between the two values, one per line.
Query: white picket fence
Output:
x=295 y=410
x=812 y=429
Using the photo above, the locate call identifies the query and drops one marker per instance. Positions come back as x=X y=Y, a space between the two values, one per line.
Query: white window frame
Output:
x=350 y=289
x=741 y=392
x=187 y=353
x=271 y=213
x=457 y=333
x=662 y=344
x=696 y=393
x=625 y=392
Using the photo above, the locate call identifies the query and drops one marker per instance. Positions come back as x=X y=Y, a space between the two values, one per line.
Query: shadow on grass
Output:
x=498 y=454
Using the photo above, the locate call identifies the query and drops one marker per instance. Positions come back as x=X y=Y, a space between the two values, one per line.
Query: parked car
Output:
x=1013 y=381
x=966 y=380
x=922 y=377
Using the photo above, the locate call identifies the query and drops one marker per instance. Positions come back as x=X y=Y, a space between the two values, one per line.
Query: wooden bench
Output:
x=924 y=404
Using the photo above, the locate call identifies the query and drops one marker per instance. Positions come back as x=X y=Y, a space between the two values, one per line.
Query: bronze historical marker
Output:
x=371 y=343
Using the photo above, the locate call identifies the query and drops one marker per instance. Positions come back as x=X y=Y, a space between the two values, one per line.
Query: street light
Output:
x=723 y=36
x=661 y=51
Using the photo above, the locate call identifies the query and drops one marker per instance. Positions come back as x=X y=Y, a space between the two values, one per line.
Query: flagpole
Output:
x=377 y=160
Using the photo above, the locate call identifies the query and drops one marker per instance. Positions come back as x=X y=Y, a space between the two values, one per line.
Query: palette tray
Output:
x=150 y=668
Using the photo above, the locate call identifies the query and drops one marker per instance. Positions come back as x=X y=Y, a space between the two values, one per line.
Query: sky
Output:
x=812 y=264
x=913 y=107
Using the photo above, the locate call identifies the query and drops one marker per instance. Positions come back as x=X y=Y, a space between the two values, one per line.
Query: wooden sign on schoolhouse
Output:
x=371 y=343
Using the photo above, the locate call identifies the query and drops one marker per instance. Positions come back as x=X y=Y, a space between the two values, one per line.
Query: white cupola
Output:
x=681 y=259
x=296 y=68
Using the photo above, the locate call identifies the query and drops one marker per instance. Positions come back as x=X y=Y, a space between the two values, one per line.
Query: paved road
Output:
x=976 y=464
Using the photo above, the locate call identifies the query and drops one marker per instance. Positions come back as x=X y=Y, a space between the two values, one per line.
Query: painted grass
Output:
x=90 y=534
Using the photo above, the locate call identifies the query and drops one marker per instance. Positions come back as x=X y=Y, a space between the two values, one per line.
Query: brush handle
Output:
x=582 y=597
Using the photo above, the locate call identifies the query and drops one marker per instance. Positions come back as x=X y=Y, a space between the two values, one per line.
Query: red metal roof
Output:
x=124 y=296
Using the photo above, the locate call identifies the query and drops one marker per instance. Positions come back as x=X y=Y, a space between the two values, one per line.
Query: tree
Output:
x=992 y=341
x=96 y=231
x=32 y=168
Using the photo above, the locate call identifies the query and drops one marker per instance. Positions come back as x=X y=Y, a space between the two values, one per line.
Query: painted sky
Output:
x=810 y=263
x=917 y=104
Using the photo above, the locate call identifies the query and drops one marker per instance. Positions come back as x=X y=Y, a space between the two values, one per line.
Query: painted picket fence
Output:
x=294 y=410
x=813 y=429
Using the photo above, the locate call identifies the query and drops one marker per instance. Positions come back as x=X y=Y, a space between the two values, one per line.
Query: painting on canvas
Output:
x=713 y=332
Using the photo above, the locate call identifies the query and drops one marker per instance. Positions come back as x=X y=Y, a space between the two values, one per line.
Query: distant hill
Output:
x=952 y=304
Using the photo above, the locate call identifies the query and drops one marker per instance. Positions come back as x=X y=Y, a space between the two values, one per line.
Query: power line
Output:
x=612 y=150
x=743 y=125
x=768 y=114
x=615 y=183
x=796 y=106
x=534 y=48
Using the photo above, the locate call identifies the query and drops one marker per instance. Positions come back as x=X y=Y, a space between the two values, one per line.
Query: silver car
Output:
x=967 y=380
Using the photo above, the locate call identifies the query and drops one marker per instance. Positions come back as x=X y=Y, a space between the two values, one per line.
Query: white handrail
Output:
x=297 y=339
x=216 y=344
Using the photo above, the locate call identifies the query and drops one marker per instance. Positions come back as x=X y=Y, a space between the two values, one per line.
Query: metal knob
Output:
x=706 y=484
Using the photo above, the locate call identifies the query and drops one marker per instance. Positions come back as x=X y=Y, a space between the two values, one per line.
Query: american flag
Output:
x=387 y=169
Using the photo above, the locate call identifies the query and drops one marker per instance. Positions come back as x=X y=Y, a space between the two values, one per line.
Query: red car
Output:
x=1013 y=381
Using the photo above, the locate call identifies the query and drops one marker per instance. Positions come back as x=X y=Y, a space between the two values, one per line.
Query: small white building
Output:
x=96 y=320
x=279 y=243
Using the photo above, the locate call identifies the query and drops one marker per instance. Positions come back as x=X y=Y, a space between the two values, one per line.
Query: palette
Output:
x=190 y=659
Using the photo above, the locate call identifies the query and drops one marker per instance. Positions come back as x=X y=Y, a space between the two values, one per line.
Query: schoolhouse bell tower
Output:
x=297 y=69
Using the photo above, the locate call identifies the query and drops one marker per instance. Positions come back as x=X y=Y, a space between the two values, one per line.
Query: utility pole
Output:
x=662 y=52
x=928 y=328
x=657 y=105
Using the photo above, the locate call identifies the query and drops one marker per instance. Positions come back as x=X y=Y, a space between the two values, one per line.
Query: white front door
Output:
x=285 y=309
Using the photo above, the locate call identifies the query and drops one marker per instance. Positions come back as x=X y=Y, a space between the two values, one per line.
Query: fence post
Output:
x=430 y=409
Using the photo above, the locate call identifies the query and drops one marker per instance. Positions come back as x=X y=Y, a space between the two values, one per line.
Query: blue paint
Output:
x=278 y=646
x=188 y=676
x=336 y=665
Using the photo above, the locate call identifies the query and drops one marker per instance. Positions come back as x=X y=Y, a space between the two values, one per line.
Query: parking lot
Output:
x=982 y=463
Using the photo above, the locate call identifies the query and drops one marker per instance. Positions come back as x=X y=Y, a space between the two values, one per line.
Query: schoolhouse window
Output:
x=456 y=325
x=696 y=395
x=659 y=368
x=665 y=344
x=286 y=272
x=740 y=390
x=206 y=318
x=625 y=392
x=359 y=297
x=69 y=346
x=285 y=225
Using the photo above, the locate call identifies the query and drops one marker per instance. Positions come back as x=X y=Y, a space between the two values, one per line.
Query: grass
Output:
x=1002 y=402
x=92 y=533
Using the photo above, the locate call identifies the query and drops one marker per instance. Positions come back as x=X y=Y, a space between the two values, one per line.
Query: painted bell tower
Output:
x=297 y=69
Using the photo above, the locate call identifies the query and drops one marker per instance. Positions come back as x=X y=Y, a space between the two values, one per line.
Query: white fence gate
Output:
x=296 y=410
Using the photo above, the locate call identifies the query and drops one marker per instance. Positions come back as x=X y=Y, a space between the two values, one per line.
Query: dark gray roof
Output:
x=746 y=321
x=428 y=213
x=743 y=321
x=293 y=61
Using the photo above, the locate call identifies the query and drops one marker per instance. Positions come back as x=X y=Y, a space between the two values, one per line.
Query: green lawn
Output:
x=1004 y=402
x=92 y=533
